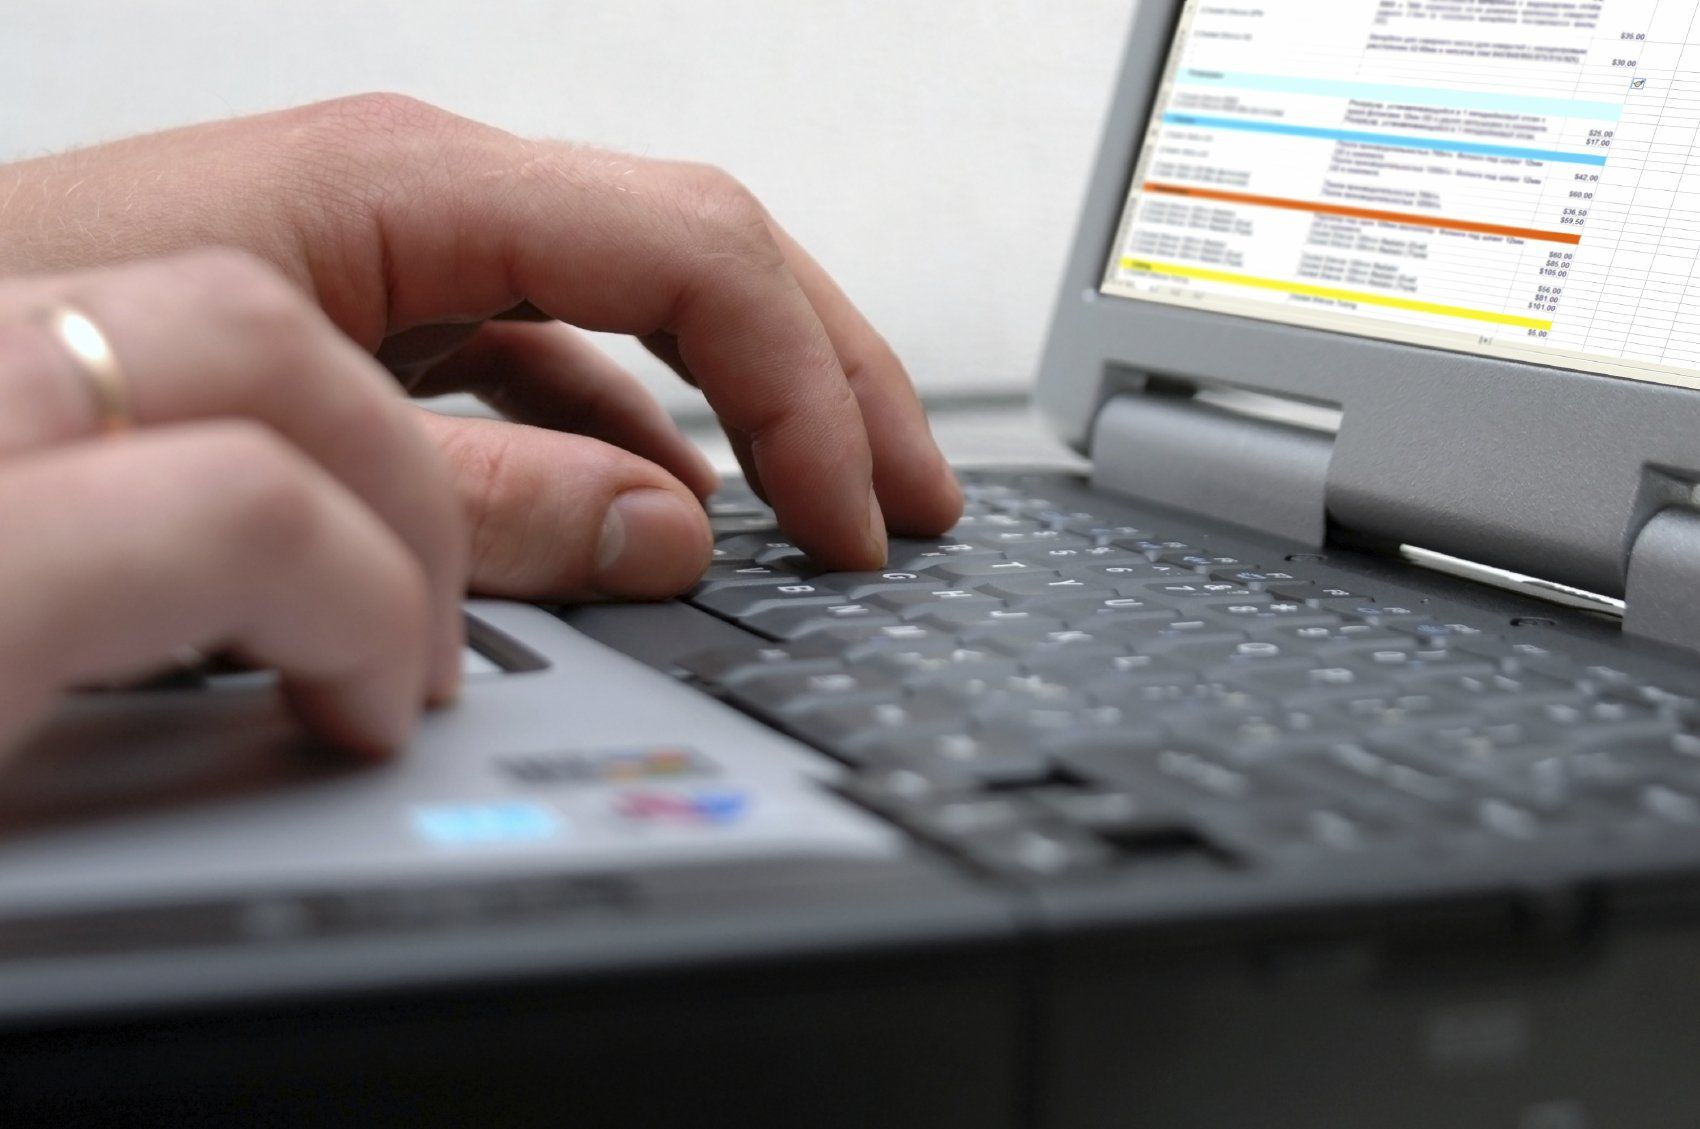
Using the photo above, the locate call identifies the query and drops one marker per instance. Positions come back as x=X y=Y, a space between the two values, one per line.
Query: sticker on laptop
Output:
x=501 y=823
x=607 y=766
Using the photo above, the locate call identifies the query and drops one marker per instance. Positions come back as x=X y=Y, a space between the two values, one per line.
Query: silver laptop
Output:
x=1328 y=755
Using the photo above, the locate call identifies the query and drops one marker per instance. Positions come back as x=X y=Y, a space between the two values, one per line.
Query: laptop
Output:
x=1327 y=755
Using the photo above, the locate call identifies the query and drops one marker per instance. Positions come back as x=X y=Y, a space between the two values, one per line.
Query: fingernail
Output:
x=876 y=528
x=653 y=543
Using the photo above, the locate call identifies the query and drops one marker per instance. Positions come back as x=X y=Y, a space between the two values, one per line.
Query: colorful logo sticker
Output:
x=612 y=766
x=700 y=806
x=462 y=825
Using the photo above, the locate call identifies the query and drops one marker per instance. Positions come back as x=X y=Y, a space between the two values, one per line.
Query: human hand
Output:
x=414 y=230
x=276 y=499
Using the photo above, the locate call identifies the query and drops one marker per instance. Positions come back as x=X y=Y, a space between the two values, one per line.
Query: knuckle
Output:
x=379 y=111
x=728 y=217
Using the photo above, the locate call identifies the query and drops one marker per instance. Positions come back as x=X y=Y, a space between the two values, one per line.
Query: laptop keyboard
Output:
x=1047 y=692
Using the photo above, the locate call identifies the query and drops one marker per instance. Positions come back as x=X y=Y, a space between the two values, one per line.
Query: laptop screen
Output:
x=1516 y=178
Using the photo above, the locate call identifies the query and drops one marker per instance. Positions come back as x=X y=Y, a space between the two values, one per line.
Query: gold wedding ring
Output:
x=77 y=333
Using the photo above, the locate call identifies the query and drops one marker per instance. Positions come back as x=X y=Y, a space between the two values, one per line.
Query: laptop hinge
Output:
x=1262 y=474
x=1660 y=591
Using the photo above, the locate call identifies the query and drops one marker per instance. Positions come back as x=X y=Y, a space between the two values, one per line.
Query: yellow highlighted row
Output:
x=1205 y=274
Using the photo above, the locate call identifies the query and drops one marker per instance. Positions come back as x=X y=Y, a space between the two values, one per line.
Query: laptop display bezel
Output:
x=1538 y=468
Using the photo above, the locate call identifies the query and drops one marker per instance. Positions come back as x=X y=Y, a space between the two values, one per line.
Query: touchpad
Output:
x=191 y=735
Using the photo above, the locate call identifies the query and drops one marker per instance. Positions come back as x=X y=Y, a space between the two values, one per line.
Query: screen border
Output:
x=1539 y=468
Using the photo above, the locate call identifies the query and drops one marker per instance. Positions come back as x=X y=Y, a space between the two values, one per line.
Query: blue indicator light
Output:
x=459 y=825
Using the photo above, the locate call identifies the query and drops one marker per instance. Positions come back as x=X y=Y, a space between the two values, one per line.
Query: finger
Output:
x=561 y=517
x=396 y=215
x=465 y=221
x=551 y=376
x=666 y=349
x=917 y=490
x=220 y=335
x=213 y=535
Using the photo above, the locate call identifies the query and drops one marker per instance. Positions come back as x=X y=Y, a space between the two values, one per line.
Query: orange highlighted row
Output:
x=1363 y=213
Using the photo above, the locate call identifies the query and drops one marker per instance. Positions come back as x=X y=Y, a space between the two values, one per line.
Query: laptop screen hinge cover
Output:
x=1258 y=473
x=1659 y=592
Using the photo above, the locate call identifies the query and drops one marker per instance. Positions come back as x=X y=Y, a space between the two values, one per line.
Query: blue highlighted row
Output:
x=1388 y=92
x=1437 y=144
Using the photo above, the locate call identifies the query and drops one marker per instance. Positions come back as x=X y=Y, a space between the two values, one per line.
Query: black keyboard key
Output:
x=1381 y=615
x=1173 y=771
x=1585 y=722
x=983 y=759
x=1683 y=707
x=783 y=693
x=736 y=505
x=727 y=574
x=1375 y=707
x=1008 y=687
x=1312 y=833
x=1085 y=610
x=1017 y=589
x=907 y=553
x=847 y=728
x=1112 y=812
x=1037 y=851
x=1305 y=590
x=1259 y=580
x=895 y=647
x=1255 y=730
x=1297 y=680
x=1257 y=612
x=1100 y=532
x=951 y=817
x=1511 y=655
x=737 y=600
x=1008 y=634
x=1339 y=640
x=1202 y=562
x=1069 y=558
x=1009 y=540
x=794 y=621
x=1187 y=641
x=962 y=677
x=967 y=572
x=1672 y=804
x=729 y=524
x=726 y=666
x=1375 y=777
x=979 y=528
x=1415 y=667
x=861 y=585
x=914 y=603
x=1043 y=725
x=1198 y=589
x=1442 y=634
x=960 y=616
x=1489 y=688
x=1152 y=547
x=1062 y=640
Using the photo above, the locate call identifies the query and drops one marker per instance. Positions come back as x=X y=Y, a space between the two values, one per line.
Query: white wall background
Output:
x=932 y=153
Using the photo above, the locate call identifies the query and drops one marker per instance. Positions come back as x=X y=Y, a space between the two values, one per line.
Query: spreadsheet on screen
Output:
x=1517 y=178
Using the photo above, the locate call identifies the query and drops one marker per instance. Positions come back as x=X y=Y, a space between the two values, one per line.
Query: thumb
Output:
x=564 y=518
